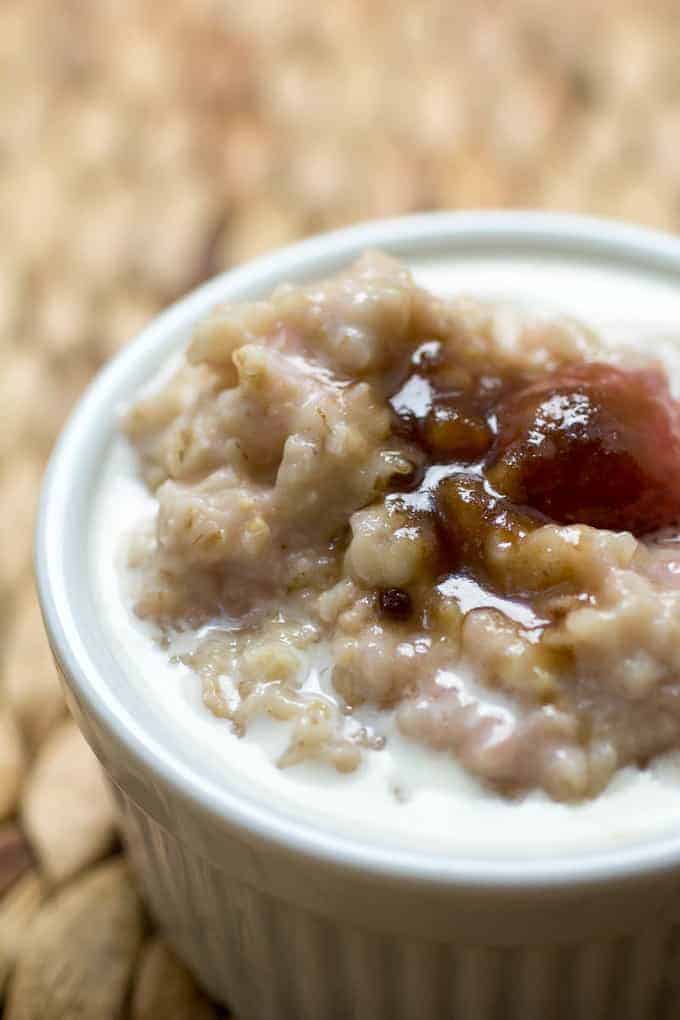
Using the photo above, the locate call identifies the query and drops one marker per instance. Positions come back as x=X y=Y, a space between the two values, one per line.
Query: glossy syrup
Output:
x=590 y=443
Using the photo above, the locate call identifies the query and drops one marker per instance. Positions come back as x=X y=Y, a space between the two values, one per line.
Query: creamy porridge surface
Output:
x=382 y=515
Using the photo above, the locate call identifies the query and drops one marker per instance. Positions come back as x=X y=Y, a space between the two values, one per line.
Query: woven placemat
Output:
x=143 y=147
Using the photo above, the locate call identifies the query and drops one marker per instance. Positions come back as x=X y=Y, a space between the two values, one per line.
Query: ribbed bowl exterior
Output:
x=271 y=960
x=284 y=922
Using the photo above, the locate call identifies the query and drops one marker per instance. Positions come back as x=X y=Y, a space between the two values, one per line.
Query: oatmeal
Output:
x=468 y=513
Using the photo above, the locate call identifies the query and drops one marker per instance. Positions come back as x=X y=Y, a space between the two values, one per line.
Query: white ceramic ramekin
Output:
x=284 y=920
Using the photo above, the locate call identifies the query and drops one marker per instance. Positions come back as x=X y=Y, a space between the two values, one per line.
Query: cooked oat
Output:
x=451 y=499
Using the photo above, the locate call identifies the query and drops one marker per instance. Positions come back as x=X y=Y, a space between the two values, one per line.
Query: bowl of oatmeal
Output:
x=361 y=567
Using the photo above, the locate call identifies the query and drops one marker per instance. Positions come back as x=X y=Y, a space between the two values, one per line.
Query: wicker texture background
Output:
x=147 y=144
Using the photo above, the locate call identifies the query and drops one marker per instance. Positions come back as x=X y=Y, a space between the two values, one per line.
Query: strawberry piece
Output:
x=592 y=444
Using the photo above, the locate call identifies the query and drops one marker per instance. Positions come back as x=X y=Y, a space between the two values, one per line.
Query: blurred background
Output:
x=148 y=144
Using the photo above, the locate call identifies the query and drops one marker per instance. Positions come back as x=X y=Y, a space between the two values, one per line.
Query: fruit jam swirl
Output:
x=589 y=443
